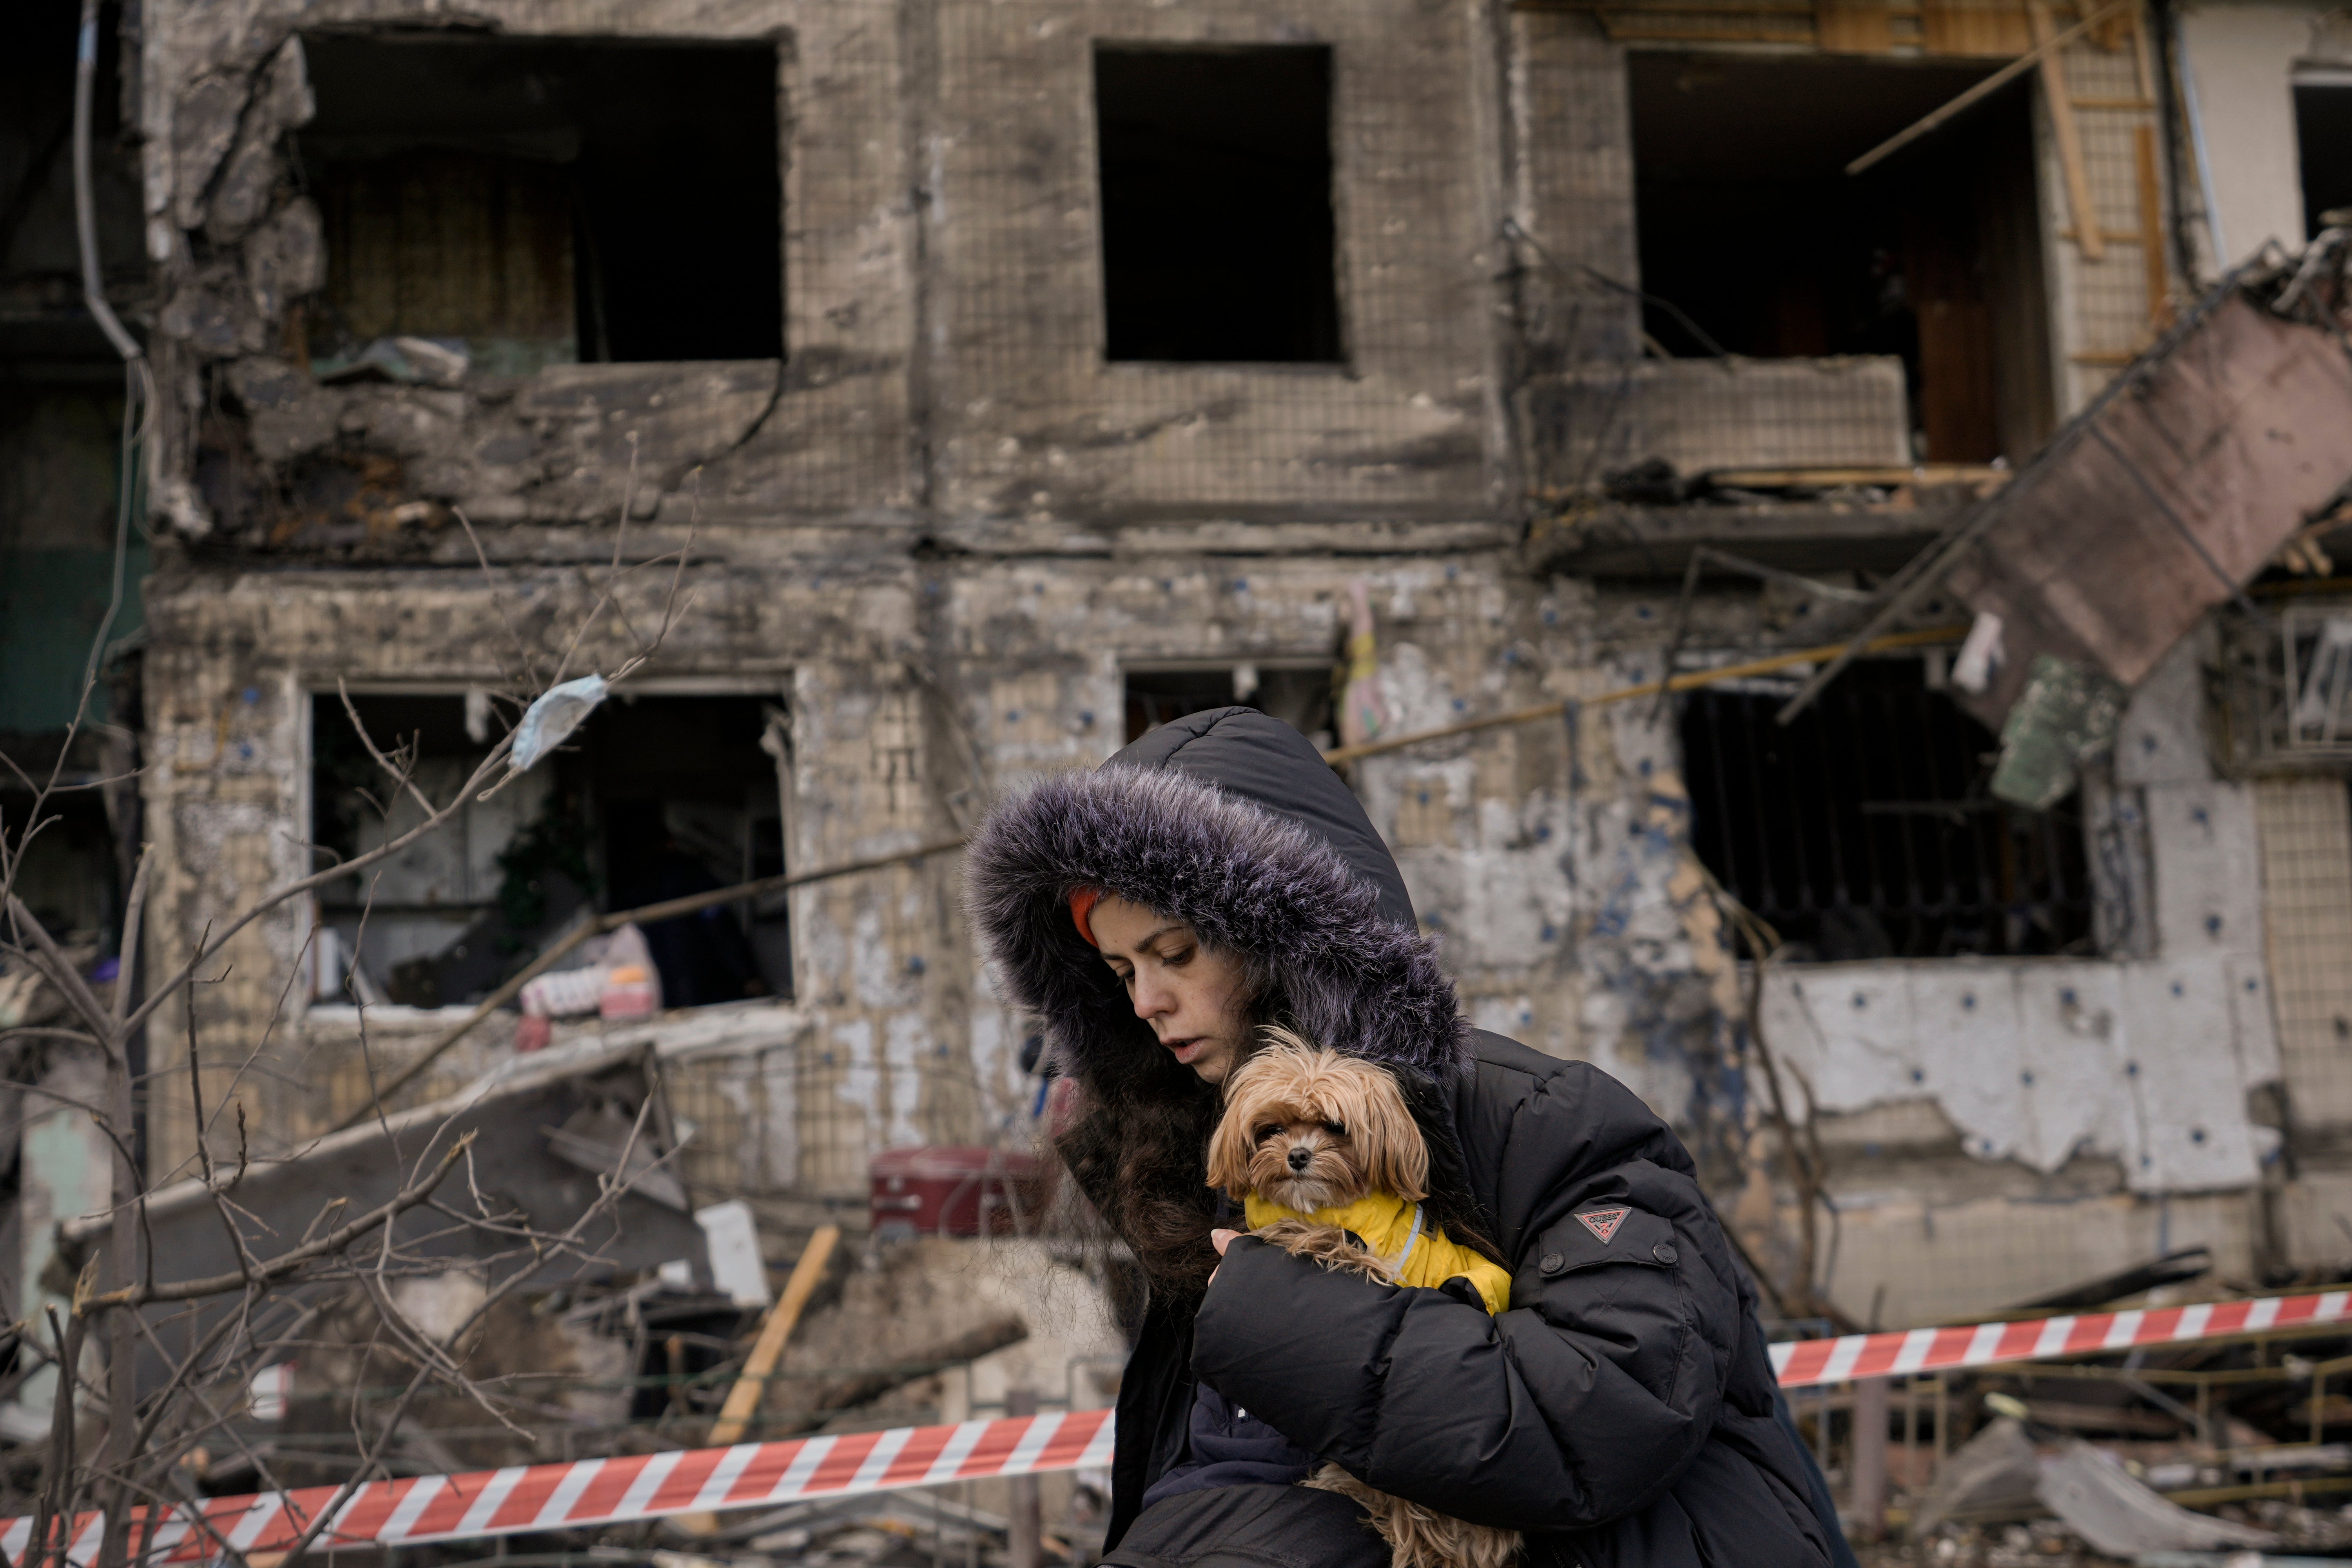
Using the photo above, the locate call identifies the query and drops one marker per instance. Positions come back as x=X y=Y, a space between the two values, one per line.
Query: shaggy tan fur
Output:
x=1417 y=1537
x=1344 y=1115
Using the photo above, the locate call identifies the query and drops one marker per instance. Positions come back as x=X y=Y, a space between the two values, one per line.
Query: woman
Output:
x=1216 y=875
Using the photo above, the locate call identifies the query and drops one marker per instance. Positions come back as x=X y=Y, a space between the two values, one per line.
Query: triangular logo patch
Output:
x=1604 y=1222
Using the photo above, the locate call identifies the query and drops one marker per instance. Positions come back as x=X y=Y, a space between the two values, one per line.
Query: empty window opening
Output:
x=1866 y=829
x=66 y=872
x=1298 y=695
x=654 y=799
x=1748 y=221
x=548 y=201
x=1218 y=241
x=2323 y=130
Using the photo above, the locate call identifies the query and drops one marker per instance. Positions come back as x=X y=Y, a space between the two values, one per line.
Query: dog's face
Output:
x=1310 y=1129
x=1305 y=1162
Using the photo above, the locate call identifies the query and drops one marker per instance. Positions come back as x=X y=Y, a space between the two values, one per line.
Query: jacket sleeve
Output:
x=1580 y=1405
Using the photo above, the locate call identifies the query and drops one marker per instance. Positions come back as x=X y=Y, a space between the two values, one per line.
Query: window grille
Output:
x=2287 y=687
x=1866 y=829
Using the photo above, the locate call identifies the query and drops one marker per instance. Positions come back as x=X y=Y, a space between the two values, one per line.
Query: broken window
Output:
x=548 y=201
x=2323 y=132
x=1217 y=234
x=1867 y=829
x=1298 y=695
x=1747 y=222
x=651 y=799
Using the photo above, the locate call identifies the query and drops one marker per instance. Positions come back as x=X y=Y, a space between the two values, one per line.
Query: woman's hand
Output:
x=1220 y=1239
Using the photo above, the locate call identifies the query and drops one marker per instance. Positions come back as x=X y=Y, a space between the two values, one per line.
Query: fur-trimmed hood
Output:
x=1230 y=821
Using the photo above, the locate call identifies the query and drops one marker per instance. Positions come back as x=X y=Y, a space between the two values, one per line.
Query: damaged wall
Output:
x=2244 y=62
x=942 y=529
x=804 y=483
x=2188 y=1086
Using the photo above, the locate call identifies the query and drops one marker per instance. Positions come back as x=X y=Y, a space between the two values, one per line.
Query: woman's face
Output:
x=1192 y=995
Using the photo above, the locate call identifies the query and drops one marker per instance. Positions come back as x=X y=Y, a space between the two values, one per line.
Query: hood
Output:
x=1230 y=821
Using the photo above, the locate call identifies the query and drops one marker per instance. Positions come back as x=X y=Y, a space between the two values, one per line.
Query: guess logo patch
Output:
x=1604 y=1222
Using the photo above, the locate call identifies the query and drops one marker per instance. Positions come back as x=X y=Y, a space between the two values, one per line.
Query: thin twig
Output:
x=285 y=1263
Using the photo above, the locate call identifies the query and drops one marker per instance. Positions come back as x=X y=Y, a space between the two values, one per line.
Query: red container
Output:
x=955 y=1190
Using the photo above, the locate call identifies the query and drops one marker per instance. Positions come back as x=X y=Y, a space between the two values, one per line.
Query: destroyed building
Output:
x=955 y=391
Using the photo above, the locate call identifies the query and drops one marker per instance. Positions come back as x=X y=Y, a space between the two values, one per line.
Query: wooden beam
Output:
x=2151 y=226
x=2141 y=65
x=743 y=1399
x=1629 y=27
x=1789 y=8
x=1860 y=474
x=2069 y=135
x=1985 y=88
x=1854 y=27
x=1690 y=681
x=1981 y=28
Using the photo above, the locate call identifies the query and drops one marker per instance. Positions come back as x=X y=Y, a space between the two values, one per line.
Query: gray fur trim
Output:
x=1244 y=878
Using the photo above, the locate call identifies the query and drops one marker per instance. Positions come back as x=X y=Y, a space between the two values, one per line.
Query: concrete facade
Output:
x=942 y=531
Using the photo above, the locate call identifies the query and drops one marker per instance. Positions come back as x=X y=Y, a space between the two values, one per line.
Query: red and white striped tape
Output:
x=1805 y=1362
x=752 y=1475
x=589 y=1492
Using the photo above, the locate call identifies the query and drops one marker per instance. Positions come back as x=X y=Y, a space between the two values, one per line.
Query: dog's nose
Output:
x=1301 y=1157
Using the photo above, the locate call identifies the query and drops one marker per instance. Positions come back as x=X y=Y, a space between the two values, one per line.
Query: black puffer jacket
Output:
x=1623 y=1412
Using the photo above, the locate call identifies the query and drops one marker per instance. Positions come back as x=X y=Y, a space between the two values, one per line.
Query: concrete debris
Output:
x=1021 y=1312
x=450 y=408
x=736 y=1268
x=2172 y=1269
x=2229 y=1560
x=1995 y=1470
x=904 y=1528
x=549 y=1129
x=605 y=1139
x=410 y=362
x=2122 y=1518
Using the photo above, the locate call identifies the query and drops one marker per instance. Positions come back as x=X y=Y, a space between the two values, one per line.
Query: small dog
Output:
x=1331 y=1166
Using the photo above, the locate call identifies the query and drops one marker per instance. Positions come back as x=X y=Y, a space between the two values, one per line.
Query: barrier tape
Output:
x=588 y=1492
x=1806 y=1362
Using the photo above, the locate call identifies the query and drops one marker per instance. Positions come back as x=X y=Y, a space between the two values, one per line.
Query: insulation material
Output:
x=2161 y=739
x=2208 y=872
x=2026 y=1058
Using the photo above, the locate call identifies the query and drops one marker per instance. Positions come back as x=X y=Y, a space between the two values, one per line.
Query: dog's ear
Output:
x=1387 y=1139
x=1231 y=1145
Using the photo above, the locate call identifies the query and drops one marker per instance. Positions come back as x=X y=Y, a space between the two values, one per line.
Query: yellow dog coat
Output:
x=1421 y=1255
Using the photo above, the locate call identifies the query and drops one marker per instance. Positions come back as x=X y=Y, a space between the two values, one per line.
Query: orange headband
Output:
x=1082 y=904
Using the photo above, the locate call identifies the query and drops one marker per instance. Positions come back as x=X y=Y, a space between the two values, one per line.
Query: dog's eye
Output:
x=1337 y=1128
x=1269 y=1130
